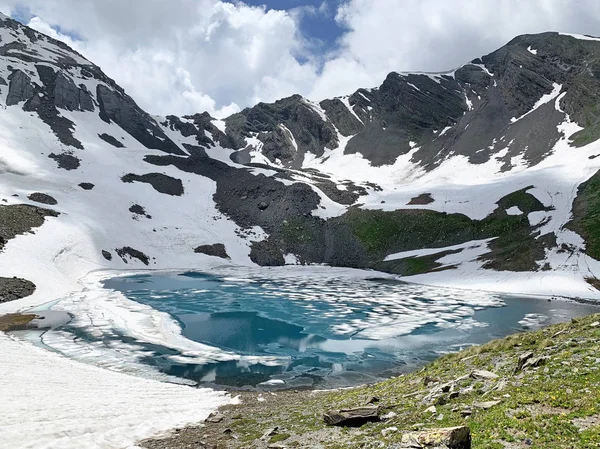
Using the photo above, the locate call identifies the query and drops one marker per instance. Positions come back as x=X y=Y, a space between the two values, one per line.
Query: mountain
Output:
x=483 y=177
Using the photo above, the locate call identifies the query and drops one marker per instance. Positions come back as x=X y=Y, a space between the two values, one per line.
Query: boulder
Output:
x=353 y=417
x=523 y=358
x=447 y=438
x=483 y=375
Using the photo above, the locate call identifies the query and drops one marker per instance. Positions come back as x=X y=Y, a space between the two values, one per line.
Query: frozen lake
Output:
x=307 y=328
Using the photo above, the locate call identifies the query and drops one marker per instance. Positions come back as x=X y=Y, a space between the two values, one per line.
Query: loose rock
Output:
x=354 y=417
x=451 y=438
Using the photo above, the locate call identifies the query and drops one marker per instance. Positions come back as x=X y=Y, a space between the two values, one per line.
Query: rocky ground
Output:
x=538 y=390
x=15 y=288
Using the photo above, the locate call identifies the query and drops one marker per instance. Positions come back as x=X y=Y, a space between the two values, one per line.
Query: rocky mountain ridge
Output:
x=437 y=177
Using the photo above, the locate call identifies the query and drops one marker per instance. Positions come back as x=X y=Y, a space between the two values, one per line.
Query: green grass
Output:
x=586 y=215
x=539 y=405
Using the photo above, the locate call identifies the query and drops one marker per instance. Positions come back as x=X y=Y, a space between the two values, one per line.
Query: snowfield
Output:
x=56 y=403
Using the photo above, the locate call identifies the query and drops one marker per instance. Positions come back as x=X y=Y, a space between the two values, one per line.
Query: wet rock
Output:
x=354 y=417
x=42 y=198
x=216 y=250
x=451 y=438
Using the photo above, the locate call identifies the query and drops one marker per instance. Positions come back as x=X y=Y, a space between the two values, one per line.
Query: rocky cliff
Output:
x=439 y=177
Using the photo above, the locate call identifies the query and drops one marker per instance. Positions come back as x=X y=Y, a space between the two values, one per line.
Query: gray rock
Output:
x=133 y=254
x=42 y=198
x=354 y=417
x=160 y=182
x=15 y=288
x=111 y=140
x=216 y=250
x=451 y=438
x=20 y=88
x=484 y=375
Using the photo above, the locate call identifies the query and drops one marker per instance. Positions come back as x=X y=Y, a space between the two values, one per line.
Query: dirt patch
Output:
x=15 y=288
x=15 y=322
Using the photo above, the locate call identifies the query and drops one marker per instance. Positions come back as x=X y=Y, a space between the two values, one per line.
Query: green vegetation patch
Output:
x=586 y=215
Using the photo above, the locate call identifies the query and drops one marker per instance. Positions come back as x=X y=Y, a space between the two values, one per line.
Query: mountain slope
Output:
x=461 y=178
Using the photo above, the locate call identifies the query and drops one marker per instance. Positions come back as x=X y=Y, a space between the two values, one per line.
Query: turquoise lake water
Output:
x=323 y=331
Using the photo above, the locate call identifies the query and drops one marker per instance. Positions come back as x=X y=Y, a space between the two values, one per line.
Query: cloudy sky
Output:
x=185 y=56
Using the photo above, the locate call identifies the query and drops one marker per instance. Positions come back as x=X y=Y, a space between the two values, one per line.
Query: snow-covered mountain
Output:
x=465 y=178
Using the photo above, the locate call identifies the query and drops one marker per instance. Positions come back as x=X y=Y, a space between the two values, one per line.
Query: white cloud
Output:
x=186 y=56
x=437 y=35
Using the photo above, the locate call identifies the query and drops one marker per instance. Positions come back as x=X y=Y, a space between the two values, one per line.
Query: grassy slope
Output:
x=515 y=248
x=586 y=215
x=554 y=406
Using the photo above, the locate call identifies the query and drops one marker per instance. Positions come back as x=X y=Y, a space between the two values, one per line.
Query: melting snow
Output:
x=547 y=98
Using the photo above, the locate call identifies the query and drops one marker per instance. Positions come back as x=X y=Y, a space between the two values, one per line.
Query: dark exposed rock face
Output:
x=120 y=108
x=216 y=250
x=160 y=182
x=15 y=288
x=20 y=88
x=139 y=210
x=468 y=112
x=300 y=120
x=111 y=140
x=19 y=219
x=127 y=251
x=423 y=198
x=42 y=198
x=66 y=161
x=107 y=255
x=86 y=185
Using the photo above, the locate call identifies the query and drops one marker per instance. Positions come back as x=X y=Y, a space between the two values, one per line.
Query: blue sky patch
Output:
x=317 y=21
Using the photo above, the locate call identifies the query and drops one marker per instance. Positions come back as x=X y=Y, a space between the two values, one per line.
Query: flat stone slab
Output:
x=353 y=417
